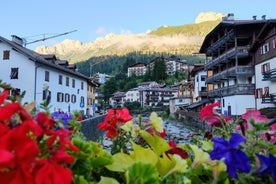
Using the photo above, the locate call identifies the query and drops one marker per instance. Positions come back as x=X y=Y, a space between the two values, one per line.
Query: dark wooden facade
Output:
x=228 y=59
x=264 y=57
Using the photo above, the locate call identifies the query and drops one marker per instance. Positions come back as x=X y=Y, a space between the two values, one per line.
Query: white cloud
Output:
x=100 y=30
x=125 y=32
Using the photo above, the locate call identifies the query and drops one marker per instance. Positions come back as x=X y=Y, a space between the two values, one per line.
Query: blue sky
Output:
x=34 y=19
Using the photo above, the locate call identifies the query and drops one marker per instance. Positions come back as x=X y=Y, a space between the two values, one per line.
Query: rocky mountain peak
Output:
x=209 y=16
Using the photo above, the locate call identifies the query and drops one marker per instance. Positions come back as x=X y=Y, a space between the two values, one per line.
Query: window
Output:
x=14 y=73
x=60 y=79
x=265 y=48
x=73 y=83
x=67 y=97
x=67 y=81
x=73 y=98
x=81 y=85
x=82 y=99
x=6 y=54
x=258 y=93
x=274 y=43
x=46 y=95
x=60 y=97
x=265 y=67
x=266 y=91
x=47 y=75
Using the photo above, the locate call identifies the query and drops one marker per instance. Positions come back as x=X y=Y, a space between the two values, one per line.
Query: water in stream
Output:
x=175 y=131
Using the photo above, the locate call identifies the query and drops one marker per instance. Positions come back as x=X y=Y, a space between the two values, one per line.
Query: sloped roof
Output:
x=137 y=65
x=262 y=33
x=41 y=59
x=228 y=24
x=199 y=103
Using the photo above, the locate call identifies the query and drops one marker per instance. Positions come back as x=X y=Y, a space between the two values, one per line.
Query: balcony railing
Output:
x=271 y=98
x=240 y=89
x=269 y=75
x=202 y=93
x=240 y=52
x=231 y=72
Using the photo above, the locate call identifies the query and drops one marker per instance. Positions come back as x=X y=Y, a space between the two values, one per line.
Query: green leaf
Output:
x=165 y=165
x=158 y=144
x=142 y=173
x=207 y=145
x=170 y=164
x=145 y=155
x=121 y=162
x=79 y=179
x=107 y=180
x=200 y=157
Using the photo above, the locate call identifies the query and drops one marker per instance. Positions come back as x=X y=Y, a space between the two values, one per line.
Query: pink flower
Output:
x=207 y=111
x=253 y=116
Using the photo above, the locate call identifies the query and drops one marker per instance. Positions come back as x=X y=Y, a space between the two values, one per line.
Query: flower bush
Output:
x=34 y=148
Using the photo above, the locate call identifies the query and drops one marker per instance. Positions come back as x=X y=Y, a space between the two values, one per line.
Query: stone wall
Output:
x=90 y=129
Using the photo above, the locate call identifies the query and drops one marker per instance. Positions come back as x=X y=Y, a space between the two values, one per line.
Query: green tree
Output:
x=147 y=76
x=159 y=70
x=109 y=88
x=129 y=61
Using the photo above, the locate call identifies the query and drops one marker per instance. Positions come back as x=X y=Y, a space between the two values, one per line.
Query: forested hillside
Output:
x=117 y=64
x=108 y=54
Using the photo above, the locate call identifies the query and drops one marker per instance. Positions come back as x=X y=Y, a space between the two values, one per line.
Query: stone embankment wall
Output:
x=192 y=121
x=90 y=129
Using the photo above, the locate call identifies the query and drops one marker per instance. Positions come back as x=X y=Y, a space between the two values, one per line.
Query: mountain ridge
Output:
x=184 y=39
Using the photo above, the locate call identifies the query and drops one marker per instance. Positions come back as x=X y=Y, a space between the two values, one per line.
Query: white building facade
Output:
x=132 y=95
x=41 y=79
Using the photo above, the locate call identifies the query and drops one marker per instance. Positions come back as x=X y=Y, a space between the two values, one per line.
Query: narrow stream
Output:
x=175 y=131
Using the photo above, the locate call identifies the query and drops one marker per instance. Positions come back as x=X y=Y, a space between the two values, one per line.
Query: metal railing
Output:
x=239 y=51
x=271 y=98
x=231 y=72
x=269 y=75
x=239 y=89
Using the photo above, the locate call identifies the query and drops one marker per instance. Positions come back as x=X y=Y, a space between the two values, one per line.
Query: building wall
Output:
x=55 y=87
x=260 y=84
x=26 y=72
x=132 y=96
x=238 y=104
x=31 y=78
x=199 y=82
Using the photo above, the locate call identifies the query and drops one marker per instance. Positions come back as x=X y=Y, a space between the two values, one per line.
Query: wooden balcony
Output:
x=269 y=75
x=230 y=54
x=271 y=98
x=203 y=93
x=240 y=89
x=230 y=73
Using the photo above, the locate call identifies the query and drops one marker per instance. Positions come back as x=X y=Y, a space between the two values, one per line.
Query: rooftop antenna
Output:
x=46 y=38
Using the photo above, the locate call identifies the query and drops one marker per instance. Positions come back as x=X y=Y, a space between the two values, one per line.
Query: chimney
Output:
x=263 y=17
x=230 y=16
x=17 y=40
x=254 y=17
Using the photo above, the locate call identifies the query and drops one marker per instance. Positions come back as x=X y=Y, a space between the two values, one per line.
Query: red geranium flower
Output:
x=50 y=172
x=112 y=119
x=4 y=96
x=175 y=150
x=207 y=111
